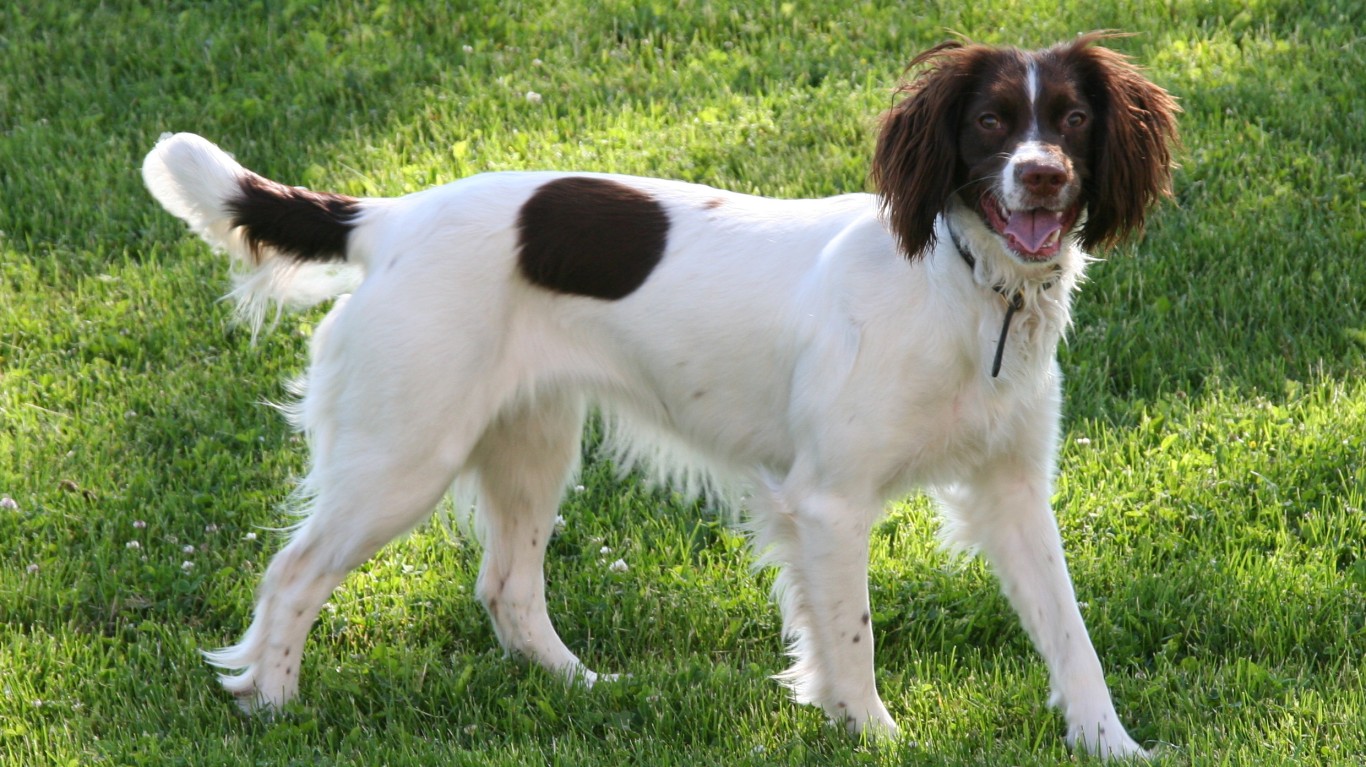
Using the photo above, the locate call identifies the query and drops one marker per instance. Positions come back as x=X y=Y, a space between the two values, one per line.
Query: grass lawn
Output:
x=1212 y=479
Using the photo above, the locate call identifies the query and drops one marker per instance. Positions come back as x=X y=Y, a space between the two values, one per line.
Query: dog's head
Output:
x=1068 y=141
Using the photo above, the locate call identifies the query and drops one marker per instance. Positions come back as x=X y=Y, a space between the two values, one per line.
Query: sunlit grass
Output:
x=1212 y=481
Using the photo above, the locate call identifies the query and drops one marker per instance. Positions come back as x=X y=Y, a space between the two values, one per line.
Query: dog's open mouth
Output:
x=1036 y=233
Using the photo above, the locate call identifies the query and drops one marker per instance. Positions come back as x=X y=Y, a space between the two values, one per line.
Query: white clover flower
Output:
x=8 y=503
x=187 y=549
x=467 y=48
x=533 y=97
x=132 y=545
x=1083 y=441
x=32 y=569
x=605 y=550
x=619 y=566
x=249 y=537
x=187 y=566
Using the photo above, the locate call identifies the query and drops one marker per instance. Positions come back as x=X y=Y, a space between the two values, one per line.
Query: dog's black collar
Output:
x=1014 y=301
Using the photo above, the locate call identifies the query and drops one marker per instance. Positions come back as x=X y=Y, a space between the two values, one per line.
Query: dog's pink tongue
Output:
x=1030 y=230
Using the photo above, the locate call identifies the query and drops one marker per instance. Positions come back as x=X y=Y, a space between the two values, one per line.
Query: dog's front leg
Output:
x=1008 y=516
x=821 y=542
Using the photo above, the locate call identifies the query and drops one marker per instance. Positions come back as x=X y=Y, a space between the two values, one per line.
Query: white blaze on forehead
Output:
x=1032 y=91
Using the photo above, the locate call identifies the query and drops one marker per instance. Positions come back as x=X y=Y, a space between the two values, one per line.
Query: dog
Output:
x=814 y=358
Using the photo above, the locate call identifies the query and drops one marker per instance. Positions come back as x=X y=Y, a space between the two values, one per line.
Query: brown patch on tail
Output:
x=303 y=225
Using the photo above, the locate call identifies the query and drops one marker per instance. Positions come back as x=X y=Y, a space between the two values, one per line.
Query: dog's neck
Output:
x=1018 y=288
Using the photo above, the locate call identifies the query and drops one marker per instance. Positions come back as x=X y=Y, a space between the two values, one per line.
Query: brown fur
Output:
x=919 y=161
x=1136 y=131
x=590 y=237
x=310 y=226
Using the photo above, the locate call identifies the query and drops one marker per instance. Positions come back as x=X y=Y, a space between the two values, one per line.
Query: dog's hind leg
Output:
x=381 y=463
x=354 y=514
x=523 y=462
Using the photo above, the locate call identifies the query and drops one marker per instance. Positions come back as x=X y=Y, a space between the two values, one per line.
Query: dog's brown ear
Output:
x=1136 y=136
x=916 y=161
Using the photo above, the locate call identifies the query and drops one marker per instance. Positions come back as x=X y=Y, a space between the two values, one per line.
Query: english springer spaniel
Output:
x=807 y=359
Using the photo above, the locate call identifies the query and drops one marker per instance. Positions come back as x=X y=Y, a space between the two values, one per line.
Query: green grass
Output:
x=1212 y=478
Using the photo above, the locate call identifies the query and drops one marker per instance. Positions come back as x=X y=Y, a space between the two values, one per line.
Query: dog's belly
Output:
x=728 y=407
x=764 y=401
x=726 y=410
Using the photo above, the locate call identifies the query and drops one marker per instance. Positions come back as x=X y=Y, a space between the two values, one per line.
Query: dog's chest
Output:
x=951 y=418
x=958 y=429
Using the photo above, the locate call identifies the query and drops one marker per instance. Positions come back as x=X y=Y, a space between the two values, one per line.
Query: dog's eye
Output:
x=989 y=122
x=1077 y=119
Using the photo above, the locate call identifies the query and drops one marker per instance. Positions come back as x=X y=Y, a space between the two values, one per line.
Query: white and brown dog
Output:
x=816 y=357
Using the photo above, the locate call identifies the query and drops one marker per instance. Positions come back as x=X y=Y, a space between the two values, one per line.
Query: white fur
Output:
x=783 y=351
x=1032 y=90
x=1015 y=194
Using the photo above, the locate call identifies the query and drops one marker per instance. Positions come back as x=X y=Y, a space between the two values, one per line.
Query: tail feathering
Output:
x=287 y=245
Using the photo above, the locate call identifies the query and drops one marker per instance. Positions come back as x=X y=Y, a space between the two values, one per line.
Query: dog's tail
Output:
x=286 y=243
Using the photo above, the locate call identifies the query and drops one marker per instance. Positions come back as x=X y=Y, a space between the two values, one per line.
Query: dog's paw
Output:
x=876 y=731
x=582 y=675
x=1106 y=742
x=258 y=693
x=248 y=696
x=870 y=721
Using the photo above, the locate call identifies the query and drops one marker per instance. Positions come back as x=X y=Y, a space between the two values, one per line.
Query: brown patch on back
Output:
x=590 y=237
x=713 y=203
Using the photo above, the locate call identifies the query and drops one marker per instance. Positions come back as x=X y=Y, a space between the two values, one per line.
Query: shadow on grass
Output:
x=1253 y=281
